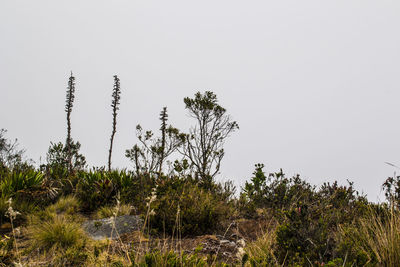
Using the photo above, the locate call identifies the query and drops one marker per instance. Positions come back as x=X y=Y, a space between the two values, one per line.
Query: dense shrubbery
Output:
x=308 y=218
x=332 y=224
x=275 y=191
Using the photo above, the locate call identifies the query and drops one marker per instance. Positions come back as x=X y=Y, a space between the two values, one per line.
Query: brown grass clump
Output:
x=67 y=205
x=261 y=251
x=377 y=237
x=107 y=211
x=57 y=233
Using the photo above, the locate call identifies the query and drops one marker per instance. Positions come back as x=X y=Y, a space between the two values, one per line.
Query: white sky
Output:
x=314 y=85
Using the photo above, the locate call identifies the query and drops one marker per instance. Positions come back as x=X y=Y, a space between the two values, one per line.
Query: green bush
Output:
x=11 y=157
x=391 y=187
x=274 y=191
x=57 y=158
x=307 y=230
x=133 y=189
x=308 y=218
x=96 y=189
x=200 y=211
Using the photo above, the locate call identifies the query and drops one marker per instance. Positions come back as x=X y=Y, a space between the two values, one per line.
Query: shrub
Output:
x=274 y=191
x=307 y=218
x=61 y=157
x=307 y=230
x=10 y=155
x=133 y=189
x=200 y=211
x=391 y=187
x=95 y=189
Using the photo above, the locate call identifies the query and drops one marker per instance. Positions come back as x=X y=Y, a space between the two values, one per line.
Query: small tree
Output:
x=391 y=187
x=116 y=96
x=150 y=155
x=144 y=156
x=10 y=155
x=60 y=158
x=205 y=141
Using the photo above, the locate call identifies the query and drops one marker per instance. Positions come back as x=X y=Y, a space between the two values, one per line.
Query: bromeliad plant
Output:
x=15 y=182
x=96 y=189
x=99 y=188
x=29 y=185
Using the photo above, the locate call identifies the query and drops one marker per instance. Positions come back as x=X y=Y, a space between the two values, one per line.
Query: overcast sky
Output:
x=314 y=85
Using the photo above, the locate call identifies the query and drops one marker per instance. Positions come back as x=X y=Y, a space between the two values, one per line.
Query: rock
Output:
x=241 y=243
x=227 y=243
x=231 y=244
x=102 y=228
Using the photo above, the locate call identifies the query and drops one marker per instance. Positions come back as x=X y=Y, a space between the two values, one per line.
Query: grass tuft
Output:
x=65 y=205
x=261 y=251
x=107 y=211
x=57 y=233
x=377 y=237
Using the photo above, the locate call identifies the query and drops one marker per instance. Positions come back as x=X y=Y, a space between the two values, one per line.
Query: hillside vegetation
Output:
x=188 y=218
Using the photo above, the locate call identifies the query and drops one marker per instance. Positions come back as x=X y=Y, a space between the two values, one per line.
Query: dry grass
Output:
x=260 y=251
x=67 y=205
x=107 y=211
x=378 y=236
x=57 y=233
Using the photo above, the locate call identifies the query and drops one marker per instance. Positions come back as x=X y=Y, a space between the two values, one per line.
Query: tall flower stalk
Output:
x=163 y=119
x=68 y=109
x=116 y=97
